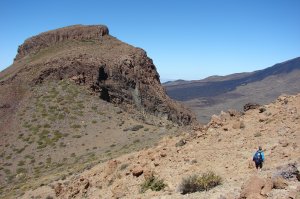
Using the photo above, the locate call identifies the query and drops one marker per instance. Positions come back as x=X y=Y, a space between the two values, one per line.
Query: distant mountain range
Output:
x=216 y=93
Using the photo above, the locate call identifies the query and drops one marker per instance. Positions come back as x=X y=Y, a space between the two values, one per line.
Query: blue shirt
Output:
x=262 y=155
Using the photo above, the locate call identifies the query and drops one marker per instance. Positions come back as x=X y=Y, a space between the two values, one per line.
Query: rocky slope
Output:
x=225 y=146
x=75 y=96
x=120 y=73
x=214 y=94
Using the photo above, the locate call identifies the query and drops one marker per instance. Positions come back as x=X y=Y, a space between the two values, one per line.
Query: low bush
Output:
x=124 y=166
x=202 y=182
x=152 y=183
x=258 y=134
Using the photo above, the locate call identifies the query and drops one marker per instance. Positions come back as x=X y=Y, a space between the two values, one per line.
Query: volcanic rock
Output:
x=250 y=106
x=119 y=73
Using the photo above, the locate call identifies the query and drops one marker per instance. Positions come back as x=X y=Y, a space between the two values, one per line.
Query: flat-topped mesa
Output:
x=46 y=39
x=119 y=73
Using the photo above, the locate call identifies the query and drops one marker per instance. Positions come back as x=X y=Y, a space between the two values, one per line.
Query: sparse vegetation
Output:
x=137 y=127
x=21 y=170
x=76 y=126
x=21 y=163
x=181 y=142
x=196 y=183
x=136 y=141
x=76 y=136
x=152 y=183
x=124 y=166
x=257 y=134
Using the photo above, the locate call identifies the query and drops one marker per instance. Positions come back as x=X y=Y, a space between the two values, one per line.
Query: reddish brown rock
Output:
x=58 y=189
x=111 y=167
x=267 y=187
x=163 y=154
x=137 y=171
x=279 y=183
x=119 y=73
x=238 y=125
x=252 y=187
x=119 y=191
x=250 y=106
x=50 y=38
x=148 y=174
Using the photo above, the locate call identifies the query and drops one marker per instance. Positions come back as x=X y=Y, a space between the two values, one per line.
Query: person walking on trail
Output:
x=259 y=158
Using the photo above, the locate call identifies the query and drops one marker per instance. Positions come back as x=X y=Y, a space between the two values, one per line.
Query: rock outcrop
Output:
x=119 y=73
x=50 y=38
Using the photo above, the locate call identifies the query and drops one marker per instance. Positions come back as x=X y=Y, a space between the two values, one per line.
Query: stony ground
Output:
x=63 y=128
x=225 y=146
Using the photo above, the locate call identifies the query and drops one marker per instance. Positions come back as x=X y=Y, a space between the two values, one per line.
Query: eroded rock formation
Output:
x=119 y=73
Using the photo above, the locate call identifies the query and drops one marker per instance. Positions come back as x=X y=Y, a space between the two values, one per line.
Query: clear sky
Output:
x=187 y=39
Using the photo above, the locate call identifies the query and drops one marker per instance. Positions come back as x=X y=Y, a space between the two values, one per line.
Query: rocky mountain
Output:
x=74 y=96
x=224 y=147
x=214 y=94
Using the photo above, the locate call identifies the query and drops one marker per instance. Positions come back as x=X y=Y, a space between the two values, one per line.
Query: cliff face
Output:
x=119 y=73
x=46 y=39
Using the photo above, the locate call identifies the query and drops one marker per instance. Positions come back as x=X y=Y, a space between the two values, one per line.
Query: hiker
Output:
x=259 y=158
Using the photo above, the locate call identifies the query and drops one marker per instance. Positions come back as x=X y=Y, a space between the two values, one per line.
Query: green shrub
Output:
x=136 y=127
x=258 y=134
x=124 y=166
x=21 y=163
x=76 y=126
x=136 y=141
x=196 y=183
x=21 y=170
x=209 y=180
x=189 y=184
x=47 y=125
x=152 y=183
x=76 y=136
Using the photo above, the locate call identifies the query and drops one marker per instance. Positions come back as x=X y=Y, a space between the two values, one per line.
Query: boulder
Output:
x=238 y=125
x=289 y=171
x=119 y=191
x=148 y=174
x=215 y=121
x=250 y=106
x=163 y=154
x=111 y=167
x=267 y=187
x=252 y=187
x=234 y=113
x=279 y=183
x=137 y=171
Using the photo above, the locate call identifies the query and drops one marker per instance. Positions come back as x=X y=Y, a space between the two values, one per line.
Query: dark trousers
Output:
x=258 y=165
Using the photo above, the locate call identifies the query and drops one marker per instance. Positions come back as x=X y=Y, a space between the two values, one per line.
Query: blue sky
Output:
x=187 y=39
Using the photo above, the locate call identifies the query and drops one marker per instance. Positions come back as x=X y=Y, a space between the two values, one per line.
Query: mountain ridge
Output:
x=245 y=87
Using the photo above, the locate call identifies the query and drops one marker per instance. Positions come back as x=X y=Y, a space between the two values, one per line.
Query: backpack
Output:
x=257 y=157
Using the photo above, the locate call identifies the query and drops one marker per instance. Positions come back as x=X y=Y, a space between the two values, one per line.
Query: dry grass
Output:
x=202 y=182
